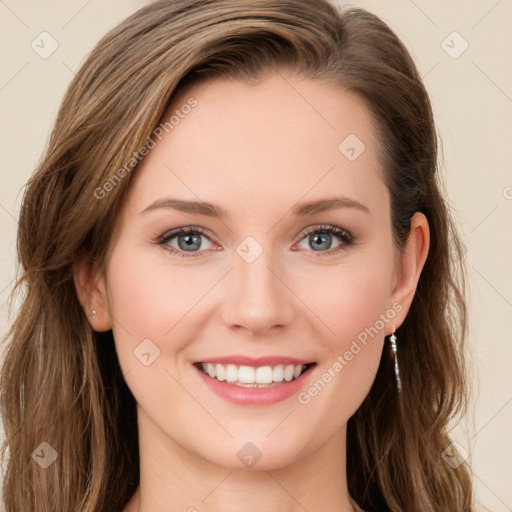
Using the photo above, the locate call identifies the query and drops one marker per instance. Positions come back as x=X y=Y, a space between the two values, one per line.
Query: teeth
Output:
x=246 y=375
x=220 y=372
x=249 y=376
x=288 y=372
x=278 y=373
x=263 y=375
x=231 y=373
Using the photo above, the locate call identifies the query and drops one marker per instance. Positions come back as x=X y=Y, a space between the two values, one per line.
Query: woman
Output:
x=238 y=284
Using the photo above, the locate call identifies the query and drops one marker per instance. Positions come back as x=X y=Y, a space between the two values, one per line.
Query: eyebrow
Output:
x=212 y=210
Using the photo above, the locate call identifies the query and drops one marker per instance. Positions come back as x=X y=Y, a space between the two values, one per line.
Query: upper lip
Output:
x=255 y=361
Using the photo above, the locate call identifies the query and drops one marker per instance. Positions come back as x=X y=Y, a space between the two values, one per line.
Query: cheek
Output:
x=148 y=297
x=152 y=307
x=350 y=304
x=362 y=300
x=151 y=300
x=354 y=307
x=347 y=299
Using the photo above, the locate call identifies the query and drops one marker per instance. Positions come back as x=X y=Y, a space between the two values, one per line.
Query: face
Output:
x=295 y=278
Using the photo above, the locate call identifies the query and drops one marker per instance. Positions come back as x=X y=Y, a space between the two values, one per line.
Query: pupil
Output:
x=321 y=238
x=190 y=240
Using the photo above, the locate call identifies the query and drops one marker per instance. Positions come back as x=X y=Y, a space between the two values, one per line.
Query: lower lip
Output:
x=255 y=396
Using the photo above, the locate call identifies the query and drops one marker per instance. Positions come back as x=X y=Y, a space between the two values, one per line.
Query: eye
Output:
x=188 y=240
x=320 y=238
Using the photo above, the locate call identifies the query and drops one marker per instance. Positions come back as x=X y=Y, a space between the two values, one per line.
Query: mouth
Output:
x=253 y=376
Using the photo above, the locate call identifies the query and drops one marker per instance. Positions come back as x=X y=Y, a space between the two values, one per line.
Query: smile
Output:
x=250 y=376
x=248 y=381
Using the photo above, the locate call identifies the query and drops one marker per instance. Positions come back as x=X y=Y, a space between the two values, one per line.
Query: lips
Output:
x=250 y=381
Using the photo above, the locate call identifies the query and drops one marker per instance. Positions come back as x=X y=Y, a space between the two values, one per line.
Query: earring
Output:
x=397 y=371
x=92 y=313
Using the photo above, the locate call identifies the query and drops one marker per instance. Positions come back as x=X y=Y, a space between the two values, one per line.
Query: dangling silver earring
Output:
x=397 y=371
x=93 y=312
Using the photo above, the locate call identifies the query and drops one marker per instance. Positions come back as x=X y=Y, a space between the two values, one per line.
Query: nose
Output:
x=260 y=300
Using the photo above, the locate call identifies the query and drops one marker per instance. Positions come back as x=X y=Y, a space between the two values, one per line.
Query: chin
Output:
x=257 y=454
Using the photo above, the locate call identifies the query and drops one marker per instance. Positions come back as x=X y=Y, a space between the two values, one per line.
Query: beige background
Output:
x=472 y=97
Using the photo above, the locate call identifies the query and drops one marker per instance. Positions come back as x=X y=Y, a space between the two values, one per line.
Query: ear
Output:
x=92 y=294
x=409 y=267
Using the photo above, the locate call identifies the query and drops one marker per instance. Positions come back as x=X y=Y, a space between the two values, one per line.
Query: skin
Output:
x=254 y=150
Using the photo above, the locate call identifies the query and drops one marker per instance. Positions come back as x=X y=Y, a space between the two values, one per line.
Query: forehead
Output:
x=278 y=140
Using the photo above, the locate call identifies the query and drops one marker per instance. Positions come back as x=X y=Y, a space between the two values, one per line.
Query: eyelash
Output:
x=346 y=238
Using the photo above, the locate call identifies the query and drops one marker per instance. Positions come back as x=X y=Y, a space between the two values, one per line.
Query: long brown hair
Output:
x=61 y=382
